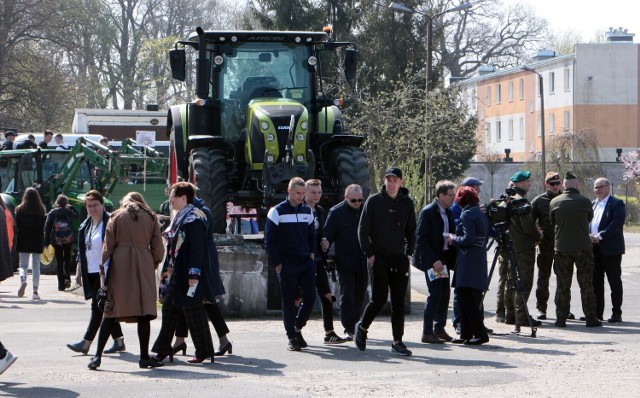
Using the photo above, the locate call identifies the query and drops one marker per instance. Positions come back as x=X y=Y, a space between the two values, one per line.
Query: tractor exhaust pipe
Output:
x=202 y=78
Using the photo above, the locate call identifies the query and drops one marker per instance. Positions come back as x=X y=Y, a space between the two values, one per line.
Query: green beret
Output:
x=521 y=176
x=570 y=176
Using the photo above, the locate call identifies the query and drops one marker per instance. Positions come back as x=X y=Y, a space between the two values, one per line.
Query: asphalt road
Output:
x=576 y=361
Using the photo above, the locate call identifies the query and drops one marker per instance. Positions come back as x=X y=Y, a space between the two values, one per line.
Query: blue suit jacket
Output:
x=610 y=227
x=429 y=239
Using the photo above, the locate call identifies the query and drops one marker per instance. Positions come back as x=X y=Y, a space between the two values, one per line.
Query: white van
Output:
x=69 y=139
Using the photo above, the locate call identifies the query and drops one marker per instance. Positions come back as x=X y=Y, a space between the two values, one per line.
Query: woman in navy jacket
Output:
x=470 y=278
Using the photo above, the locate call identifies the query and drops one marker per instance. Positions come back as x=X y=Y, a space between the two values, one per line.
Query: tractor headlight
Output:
x=270 y=137
x=303 y=125
x=300 y=158
x=313 y=61
x=218 y=60
x=270 y=159
x=300 y=137
x=264 y=125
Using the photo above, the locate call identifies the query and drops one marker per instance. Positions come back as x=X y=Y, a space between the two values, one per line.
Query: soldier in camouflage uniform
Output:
x=524 y=236
x=570 y=216
x=540 y=212
x=503 y=270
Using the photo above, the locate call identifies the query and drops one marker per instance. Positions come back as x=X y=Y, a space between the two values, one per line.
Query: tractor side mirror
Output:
x=177 y=59
x=350 y=64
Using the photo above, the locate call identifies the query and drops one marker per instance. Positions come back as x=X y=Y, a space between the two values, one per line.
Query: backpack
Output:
x=62 y=231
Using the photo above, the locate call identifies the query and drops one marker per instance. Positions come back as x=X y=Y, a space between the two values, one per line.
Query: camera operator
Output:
x=524 y=236
x=540 y=212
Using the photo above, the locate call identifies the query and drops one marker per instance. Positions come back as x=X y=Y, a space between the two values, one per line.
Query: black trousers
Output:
x=215 y=316
x=388 y=274
x=471 y=319
x=63 y=263
x=611 y=266
x=323 y=287
x=354 y=280
x=96 y=314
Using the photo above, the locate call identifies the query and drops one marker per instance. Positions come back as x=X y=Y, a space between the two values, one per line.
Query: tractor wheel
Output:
x=352 y=167
x=208 y=172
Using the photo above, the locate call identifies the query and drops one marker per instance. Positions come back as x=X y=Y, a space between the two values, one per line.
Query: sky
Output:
x=588 y=16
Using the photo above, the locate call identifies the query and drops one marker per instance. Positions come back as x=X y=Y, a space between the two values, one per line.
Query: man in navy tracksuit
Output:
x=288 y=236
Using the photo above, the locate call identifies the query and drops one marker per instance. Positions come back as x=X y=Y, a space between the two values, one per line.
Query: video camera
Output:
x=501 y=210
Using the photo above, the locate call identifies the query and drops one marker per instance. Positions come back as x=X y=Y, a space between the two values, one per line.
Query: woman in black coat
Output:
x=64 y=215
x=470 y=278
x=189 y=282
x=30 y=216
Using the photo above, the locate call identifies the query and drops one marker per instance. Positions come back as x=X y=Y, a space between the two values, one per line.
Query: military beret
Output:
x=521 y=176
x=552 y=176
x=570 y=176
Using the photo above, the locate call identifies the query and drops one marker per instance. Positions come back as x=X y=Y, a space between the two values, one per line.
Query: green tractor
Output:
x=260 y=118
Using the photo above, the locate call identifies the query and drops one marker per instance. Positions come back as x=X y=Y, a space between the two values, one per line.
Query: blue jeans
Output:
x=353 y=286
x=34 y=260
x=435 y=311
x=297 y=273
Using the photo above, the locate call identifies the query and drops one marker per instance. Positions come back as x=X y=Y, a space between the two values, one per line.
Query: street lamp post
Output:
x=428 y=85
x=542 y=134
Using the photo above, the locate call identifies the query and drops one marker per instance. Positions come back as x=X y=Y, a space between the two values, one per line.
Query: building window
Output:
x=498 y=131
x=510 y=129
x=498 y=93
x=487 y=127
x=552 y=82
x=521 y=128
x=567 y=121
x=552 y=123
x=567 y=75
x=510 y=89
x=488 y=100
x=521 y=89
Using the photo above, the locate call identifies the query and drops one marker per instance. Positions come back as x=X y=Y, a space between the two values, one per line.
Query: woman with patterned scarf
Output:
x=186 y=270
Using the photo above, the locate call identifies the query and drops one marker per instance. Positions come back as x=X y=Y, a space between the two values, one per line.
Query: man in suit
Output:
x=433 y=253
x=608 y=247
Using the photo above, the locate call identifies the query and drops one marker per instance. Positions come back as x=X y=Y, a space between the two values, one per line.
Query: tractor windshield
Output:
x=259 y=70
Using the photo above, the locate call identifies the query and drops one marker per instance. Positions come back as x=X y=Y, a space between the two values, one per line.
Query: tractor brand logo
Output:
x=266 y=38
x=283 y=127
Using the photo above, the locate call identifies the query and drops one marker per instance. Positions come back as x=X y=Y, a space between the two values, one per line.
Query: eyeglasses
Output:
x=356 y=200
x=555 y=183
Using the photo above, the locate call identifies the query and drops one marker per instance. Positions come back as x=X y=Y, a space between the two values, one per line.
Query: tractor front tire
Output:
x=352 y=167
x=208 y=172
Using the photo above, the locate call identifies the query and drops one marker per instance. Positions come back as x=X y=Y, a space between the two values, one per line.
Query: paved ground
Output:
x=575 y=361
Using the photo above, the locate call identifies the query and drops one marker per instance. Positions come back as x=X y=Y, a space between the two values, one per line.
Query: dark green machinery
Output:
x=260 y=118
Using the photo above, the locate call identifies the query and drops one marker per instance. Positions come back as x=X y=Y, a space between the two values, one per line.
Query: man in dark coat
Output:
x=432 y=255
x=387 y=237
x=48 y=136
x=570 y=215
x=608 y=247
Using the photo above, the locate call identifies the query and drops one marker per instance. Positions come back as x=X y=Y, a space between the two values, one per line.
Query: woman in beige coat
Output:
x=131 y=252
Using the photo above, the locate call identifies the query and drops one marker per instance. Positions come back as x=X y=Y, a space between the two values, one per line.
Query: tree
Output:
x=492 y=162
x=286 y=14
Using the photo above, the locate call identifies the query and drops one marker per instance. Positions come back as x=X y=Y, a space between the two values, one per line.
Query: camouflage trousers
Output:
x=563 y=268
x=544 y=263
x=525 y=260
x=503 y=270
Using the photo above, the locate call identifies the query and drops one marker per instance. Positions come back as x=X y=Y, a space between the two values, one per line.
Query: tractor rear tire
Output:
x=208 y=172
x=352 y=167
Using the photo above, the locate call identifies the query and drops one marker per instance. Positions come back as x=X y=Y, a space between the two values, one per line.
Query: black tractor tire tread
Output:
x=352 y=167
x=208 y=164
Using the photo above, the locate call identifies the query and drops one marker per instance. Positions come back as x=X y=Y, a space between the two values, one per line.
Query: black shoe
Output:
x=561 y=323
x=400 y=349
x=67 y=283
x=615 y=319
x=500 y=318
x=223 y=350
x=82 y=346
x=488 y=330
x=593 y=323
x=301 y=341
x=583 y=318
x=542 y=315
x=571 y=316
x=534 y=322
x=333 y=338
x=118 y=345
x=294 y=345
x=360 y=338
x=95 y=363
x=181 y=347
x=458 y=341
x=477 y=341
x=150 y=363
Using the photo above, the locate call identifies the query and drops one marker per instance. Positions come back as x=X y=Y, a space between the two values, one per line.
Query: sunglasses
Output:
x=555 y=183
x=356 y=200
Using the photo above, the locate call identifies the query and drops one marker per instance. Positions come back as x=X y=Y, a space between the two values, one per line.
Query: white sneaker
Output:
x=35 y=296
x=7 y=361
x=23 y=287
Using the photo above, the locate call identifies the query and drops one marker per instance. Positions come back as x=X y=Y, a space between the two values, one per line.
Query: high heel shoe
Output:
x=94 y=363
x=200 y=360
x=161 y=357
x=180 y=347
x=227 y=347
x=150 y=363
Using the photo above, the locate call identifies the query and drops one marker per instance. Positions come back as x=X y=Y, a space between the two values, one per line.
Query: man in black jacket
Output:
x=341 y=229
x=387 y=236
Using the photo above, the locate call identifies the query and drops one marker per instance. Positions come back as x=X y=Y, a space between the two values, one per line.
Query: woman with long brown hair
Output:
x=30 y=217
x=133 y=249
